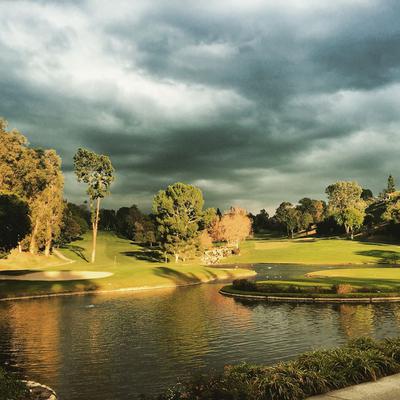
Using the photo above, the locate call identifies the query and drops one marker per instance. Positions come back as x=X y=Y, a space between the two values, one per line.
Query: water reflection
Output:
x=116 y=346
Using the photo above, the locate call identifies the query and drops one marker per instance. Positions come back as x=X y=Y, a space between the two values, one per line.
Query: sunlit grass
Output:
x=132 y=266
x=316 y=251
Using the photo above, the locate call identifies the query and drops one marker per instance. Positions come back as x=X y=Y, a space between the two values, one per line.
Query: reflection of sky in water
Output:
x=115 y=346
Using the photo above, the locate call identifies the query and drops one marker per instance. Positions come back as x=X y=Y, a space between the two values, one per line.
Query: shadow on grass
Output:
x=145 y=255
x=180 y=278
x=383 y=256
x=18 y=272
x=78 y=250
x=305 y=240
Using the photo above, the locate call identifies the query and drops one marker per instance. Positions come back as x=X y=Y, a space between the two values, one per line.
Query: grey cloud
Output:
x=294 y=134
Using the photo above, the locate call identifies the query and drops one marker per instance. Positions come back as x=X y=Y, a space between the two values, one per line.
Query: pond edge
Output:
x=275 y=299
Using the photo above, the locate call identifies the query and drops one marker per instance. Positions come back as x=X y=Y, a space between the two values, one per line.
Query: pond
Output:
x=117 y=346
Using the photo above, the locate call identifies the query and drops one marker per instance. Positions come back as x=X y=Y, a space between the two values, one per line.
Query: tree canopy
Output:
x=346 y=205
x=178 y=211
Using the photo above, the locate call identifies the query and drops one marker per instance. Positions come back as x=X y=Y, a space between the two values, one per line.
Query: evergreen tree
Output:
x=391 y=187
x=179 y=212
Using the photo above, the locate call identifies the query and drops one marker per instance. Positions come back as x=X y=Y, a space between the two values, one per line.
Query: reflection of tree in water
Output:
x=356 y=320
x=6 y=357
x=35 y=336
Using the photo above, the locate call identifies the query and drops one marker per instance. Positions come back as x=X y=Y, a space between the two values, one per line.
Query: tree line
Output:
x=350 y=209
x=35 y=217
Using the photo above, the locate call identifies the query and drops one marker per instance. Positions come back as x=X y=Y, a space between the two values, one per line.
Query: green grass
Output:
x=316 y=251
x=133 y=267
x=313 y=289
x=369 y=274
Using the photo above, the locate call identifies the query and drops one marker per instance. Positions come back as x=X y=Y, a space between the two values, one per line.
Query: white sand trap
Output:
x=57 y=276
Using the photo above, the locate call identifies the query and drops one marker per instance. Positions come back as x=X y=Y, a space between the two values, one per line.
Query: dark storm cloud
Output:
x=252 y=102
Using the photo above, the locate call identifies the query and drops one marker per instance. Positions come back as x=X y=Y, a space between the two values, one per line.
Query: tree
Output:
x=346 y=205
x=216 y=230
x=205 y=240
x=288 y=215
x=178 y=211
x=391 y=187
x=305 y=219
x=315 y=208
x=35 y=176
x=145 y=230
x=367 y=194
x=97 y=172
x=74 y=223
x=236 y=226
x=47 y=206
x=126 y=219
x=209 y=217
x=107 y=220
x=392 y=212
x=14 y=221
x=260 y=221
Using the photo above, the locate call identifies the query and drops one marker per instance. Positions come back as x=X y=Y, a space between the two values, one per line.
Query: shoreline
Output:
x=310 y=264
x=122 y=290
x=313 y=300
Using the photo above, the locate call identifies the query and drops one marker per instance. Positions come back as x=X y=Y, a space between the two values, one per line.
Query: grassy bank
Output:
x=132 y=266
x=316 y=251
x=312 y=289
x=314 y=373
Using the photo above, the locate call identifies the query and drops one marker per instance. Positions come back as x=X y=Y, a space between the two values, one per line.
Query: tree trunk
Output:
x=176 y=257
x=347 y=229
x=32 y=244
x=48 y=239
x=95 y=225
x=19 y=247
x=291 y=233
x=351 y=234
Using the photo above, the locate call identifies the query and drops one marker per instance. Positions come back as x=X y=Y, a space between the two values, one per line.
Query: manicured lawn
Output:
x=369 y=276
x=132 y=266
x=316 y=251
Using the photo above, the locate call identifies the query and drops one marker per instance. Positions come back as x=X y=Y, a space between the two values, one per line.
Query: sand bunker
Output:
x=56 y=276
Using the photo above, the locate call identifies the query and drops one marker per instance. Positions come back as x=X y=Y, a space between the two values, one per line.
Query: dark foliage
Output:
x=14 y=221
x=11 y=388
x=317 y=372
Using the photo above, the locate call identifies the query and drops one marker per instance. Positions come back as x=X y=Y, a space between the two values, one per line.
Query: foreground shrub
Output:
x=361 y=360
x=11 y=388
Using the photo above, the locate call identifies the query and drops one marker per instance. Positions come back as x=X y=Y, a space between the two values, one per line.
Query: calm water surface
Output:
x=116 y=346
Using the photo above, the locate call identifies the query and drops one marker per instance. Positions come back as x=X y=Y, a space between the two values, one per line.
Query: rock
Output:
x=40 y=392
x=213 y=256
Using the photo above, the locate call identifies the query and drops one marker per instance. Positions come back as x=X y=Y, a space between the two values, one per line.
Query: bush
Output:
x=343 y=288
x=11 y=388
x=317 y=372
x=244 y=284
x=236 y=251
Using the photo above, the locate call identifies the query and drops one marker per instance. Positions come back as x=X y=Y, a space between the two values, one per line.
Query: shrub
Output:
x=244 y=284
x=343 y=288
x=316 y=372
x=11 y=388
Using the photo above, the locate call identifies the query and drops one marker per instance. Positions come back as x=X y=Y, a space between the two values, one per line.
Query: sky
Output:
x=255 y=102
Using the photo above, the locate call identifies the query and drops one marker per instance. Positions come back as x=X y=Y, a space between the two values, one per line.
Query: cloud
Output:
x=254 y=102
